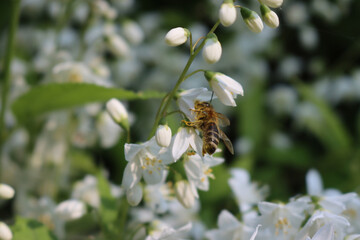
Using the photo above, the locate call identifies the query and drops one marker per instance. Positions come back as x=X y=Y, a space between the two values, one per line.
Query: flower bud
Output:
x=272 y=3
x=177 y=36
x=70 y=209
x=163 y=135
x=117 y=45
x=5 y=232
x=133 y=32
x=184 y=193
x=118 y=112
x=270 y=17
x=252 y=20
x=227 y=14
x=6 y=192
x=134 y=195
x=212 y=49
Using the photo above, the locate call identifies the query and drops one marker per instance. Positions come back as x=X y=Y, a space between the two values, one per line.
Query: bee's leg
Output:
x=190 y=124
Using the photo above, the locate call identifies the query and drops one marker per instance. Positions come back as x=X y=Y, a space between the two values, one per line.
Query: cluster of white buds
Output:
x=227 y=15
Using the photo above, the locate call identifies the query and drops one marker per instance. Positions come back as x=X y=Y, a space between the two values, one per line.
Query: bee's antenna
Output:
x=212 y=94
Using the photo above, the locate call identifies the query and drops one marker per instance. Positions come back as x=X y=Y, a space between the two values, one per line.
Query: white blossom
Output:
x=198 y=169
x=146 y=160
x=270 y=18
x=225 y=88
x=186 y=137
x=246 y=193
x=164 y=232
x=70 y=209
x=133 y=32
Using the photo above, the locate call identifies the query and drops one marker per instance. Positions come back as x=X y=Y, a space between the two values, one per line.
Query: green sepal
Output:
x=246 y=13
x=264 y=9
x=209 y=75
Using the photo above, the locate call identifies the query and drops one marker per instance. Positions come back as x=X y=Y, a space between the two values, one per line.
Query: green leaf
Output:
x=332 y=132
x=55 y=96
x=30 y=229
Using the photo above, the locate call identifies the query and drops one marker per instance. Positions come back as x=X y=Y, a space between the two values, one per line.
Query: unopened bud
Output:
x=270 y=17
x=5 y=232
x=6 y=192
x=184 y=193
x=272 y=3
x=163 y=135
x=212 y=49
x=134 y=195
x=227 y=13
x=252 y=20
x=118 y=112
x=177 y=36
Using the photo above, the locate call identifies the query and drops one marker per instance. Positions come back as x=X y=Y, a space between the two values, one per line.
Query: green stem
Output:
x=178 y=83
x=194 y=72
x=15 y=8
x=123 y=215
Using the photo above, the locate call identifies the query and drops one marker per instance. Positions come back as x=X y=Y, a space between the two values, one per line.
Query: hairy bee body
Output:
x=207 y=121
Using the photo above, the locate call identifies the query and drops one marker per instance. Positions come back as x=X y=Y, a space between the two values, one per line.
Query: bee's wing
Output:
x=223 y=120
x=227 y=142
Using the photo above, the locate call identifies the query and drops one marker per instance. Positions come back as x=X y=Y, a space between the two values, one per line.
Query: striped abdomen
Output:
x=210 y=138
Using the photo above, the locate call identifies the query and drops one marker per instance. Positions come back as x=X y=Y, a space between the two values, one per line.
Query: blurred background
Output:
x=300 y=110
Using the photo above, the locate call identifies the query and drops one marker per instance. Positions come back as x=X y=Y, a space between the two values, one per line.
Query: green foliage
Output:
x=331 y=132
x=30 y=230
x=108 y=208
x=55 y=96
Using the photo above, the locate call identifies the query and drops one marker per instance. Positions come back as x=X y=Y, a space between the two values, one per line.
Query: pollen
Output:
x=150 y=172
x=282 y=225
x=202 y=179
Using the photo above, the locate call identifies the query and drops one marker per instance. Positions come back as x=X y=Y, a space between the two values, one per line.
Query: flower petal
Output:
x=181 y=143
x=132 y=175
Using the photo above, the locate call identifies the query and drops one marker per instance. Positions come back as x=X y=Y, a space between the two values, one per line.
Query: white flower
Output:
x=6 y=191
x=272 y=3
x=252 y=20
x=177 y=36
x=146 y=160
x=225 y=88
x=70 y=209
x=185 y=193
x=75 y=72
x=270 y=17
x=353 y=237
x=281 y=218
x=324 y=233
x=164 y=232
x=227 y=14
x=157 y=197
x=118 y=112
x=86 y=190
x=187 y=99
x=134 y=195
x=246 y=192
x=229 y=228
x=133 y=32
x=186 y=137
x=282 y=99
x=321 y=218
x=198 y=170
x=105 y=9
x=163 y=135
x=5 y=232
x=212 y=49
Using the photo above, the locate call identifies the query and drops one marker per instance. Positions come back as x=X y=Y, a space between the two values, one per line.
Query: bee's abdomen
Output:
x=210 y=138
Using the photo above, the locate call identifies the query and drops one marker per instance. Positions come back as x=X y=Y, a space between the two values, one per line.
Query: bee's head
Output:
x=199 y=104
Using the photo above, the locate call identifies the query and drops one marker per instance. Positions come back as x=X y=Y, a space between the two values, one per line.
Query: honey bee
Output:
x=207 y=120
